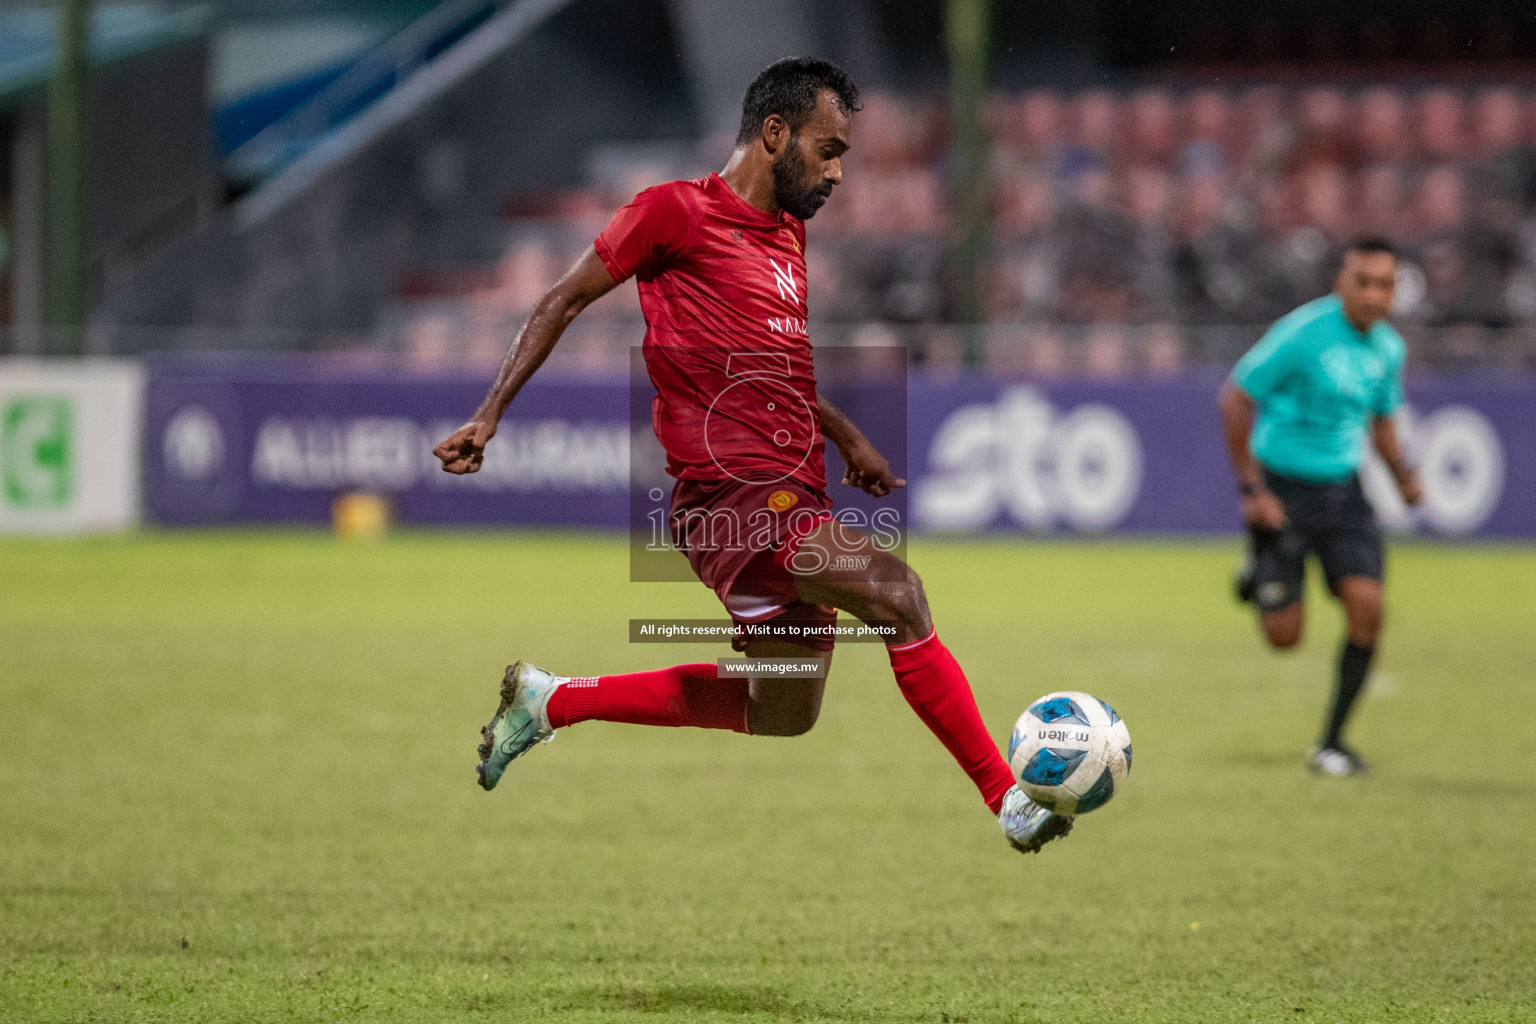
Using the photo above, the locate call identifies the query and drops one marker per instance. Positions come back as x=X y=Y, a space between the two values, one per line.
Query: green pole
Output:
x=967 y=31
x=68 y=255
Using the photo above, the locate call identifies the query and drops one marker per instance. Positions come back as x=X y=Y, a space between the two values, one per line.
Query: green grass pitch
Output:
x=236 y=784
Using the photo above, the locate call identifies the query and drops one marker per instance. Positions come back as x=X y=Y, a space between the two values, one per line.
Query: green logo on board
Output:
x=37 y=448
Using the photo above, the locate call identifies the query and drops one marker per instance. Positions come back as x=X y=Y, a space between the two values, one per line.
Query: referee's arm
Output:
x=1385 y=440
x=1386 y=400
x=1261 y=509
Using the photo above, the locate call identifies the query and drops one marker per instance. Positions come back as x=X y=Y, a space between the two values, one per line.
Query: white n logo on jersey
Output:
x=783 y=277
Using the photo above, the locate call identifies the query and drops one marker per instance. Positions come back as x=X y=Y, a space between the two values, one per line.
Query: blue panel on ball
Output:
x=1113 y=718
x=1059 y=709
x=1013 y=743
x=1127 y=753
x=1050 y=765
x=1098 y=795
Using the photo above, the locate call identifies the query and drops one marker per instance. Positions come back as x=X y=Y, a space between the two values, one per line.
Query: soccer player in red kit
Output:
x=721 y=273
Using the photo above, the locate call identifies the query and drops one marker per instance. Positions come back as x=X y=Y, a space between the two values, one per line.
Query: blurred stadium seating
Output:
x=1134 y=231
x=416 y=186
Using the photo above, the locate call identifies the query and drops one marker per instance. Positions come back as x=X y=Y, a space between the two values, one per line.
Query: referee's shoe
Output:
x=1340 y=761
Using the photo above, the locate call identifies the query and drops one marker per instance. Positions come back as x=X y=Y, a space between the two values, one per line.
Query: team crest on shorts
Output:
x=781 y=501
x=1272 y=594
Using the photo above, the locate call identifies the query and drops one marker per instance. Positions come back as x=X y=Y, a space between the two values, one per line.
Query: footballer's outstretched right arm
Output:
x=586 y=282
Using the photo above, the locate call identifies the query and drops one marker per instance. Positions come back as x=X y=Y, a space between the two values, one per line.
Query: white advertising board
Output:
x=70 y=444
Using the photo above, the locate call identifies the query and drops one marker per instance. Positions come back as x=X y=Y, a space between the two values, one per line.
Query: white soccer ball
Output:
x=1070 y=752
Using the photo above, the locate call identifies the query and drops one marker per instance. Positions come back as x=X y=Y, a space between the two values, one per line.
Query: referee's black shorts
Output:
x=1334 y=520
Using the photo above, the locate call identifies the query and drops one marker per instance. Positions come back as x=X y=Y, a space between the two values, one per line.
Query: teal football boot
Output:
x=520 y=720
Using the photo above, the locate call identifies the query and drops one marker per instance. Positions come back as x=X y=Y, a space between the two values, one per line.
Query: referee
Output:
x=1296 y=412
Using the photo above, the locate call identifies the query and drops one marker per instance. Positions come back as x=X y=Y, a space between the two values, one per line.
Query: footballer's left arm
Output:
x=1387 y=444
x=867 y=469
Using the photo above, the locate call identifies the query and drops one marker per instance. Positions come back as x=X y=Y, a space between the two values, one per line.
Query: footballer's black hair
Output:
x=790 y=88
x=1371 y=244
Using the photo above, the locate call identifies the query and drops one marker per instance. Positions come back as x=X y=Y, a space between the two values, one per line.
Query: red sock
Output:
x=934 y=685
x=681 y=695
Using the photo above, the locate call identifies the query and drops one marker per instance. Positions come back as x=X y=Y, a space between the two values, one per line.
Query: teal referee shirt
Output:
x=1318 y=382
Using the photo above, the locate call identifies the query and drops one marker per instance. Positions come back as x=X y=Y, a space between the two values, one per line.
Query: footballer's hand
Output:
x=1262 y=510
x=464 y=450
x=1409 y=487
x=868 y=470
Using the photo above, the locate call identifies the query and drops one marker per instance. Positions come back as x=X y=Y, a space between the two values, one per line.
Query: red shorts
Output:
x=739 y=538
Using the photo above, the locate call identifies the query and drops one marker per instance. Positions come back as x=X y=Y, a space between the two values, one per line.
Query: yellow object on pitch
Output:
x=358 y=515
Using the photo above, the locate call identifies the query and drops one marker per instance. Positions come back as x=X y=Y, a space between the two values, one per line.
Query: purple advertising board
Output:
x=1147 y=456
x=242 y=443
x=277 y=442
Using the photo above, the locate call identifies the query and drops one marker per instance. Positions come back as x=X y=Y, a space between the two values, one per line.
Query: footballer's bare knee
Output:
x=893 y=594
x=1363 y=626
x=1363 y=608
x=888 y=592
x=783 y=707
x=781 y=722
x=1282 y=628
x=1282 y=638
x=908 y=603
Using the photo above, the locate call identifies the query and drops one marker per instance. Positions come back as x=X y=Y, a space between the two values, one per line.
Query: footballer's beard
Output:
x=789 y=188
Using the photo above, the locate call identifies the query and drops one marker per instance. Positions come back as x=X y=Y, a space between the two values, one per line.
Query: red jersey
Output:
x=722 y=288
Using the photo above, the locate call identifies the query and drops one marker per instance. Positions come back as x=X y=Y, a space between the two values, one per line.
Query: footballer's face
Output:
x=1366 y=284
x=810 y=163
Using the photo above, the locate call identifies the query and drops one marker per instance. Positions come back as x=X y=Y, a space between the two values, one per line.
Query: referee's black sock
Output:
x=1354 y=662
